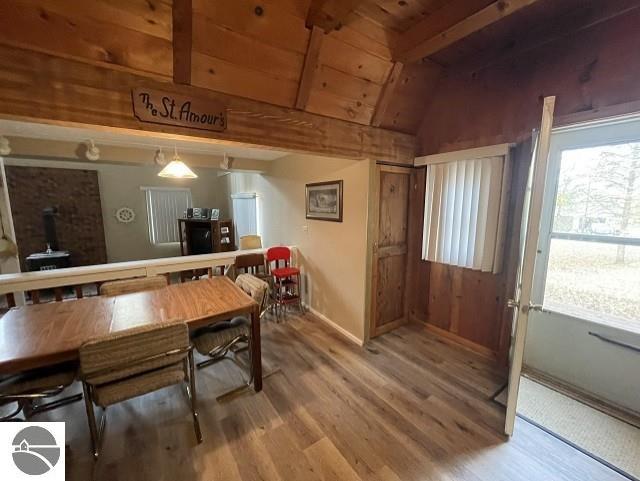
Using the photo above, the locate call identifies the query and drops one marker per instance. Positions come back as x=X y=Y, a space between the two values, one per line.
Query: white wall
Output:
x=333 y=255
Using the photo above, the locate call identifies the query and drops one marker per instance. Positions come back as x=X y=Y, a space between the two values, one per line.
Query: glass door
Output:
x=588 y=277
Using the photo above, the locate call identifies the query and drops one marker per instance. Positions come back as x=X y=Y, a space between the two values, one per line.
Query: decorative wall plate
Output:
x=125 y=215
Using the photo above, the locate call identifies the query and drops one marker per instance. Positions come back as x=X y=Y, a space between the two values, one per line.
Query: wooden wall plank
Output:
x=414 y=92
x=387 y=94
x=182 y=41
x=222 y=76
x=418 y=270
x=152 y=17
x=277 y=25
x=353 y=61
x=372 y=30
x=215 y=40
x=325 y=103
x=400 y=15
x=339 y=83
x=591 y=72
x=350 y=35
x=52 y=30
x=310 y=67
x=330 y=15
x=40 y=87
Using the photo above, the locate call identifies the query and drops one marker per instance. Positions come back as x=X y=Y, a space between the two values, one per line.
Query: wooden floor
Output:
x=409 y=406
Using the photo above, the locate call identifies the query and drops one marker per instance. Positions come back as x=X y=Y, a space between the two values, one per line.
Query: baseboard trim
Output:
x=352 y=338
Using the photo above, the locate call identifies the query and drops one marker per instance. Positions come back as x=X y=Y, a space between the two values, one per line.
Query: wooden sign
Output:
x=158 y=107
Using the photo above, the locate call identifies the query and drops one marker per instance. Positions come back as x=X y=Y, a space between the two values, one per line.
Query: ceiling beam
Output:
x=463 y=29
x=330 y=15
x=100 y=97
x=310 y=67
x=559 y=27
x=182 y=16
x=387 y=94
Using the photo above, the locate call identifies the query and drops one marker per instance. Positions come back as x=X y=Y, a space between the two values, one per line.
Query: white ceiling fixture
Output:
x=227 y=162
x=5 y=148
x=176 y=169
x=159 y=158
x=93 y=152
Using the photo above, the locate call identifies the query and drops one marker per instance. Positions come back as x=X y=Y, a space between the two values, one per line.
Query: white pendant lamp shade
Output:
x=176 y=169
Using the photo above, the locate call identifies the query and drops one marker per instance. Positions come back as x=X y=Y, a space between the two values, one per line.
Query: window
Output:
x=594 y=244
x=164 y=207
x=245 y=214
x=464 y=215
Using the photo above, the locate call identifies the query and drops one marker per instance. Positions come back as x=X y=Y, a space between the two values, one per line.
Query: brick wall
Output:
x=75 y=193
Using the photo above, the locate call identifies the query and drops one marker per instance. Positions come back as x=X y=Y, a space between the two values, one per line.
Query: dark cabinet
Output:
x=202 y=236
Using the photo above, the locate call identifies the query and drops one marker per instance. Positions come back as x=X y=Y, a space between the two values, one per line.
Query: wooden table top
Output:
x=42 y=334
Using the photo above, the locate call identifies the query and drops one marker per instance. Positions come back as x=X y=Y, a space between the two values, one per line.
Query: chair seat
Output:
x=39 y=380
x=285 y=272
x=112 y=393
x=209 y=338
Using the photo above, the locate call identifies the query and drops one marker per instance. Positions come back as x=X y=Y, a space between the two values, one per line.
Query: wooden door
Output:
x=389 y=262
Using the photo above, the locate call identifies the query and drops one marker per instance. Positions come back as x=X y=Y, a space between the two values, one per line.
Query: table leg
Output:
x=256 y=351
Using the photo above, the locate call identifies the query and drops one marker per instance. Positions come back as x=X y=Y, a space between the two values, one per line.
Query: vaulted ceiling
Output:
x=372 y=62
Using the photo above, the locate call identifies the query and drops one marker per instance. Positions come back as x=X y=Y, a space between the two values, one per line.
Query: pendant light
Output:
x=176 y=169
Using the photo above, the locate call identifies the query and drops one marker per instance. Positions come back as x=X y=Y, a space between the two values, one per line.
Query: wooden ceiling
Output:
x=372 y=62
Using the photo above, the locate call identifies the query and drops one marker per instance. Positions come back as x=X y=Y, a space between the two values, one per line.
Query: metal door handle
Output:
x=513 y=304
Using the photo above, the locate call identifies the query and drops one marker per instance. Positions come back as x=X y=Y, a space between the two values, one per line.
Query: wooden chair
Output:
x=127 y=286
x=252 y=264
x=134 y=362
x=29 y=387
x=250 y=242
x=217 y=340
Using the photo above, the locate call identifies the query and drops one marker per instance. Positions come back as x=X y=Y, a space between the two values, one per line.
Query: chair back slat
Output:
x=127 y=286
x=256 y=288
x=250 y=263
x=133 y=351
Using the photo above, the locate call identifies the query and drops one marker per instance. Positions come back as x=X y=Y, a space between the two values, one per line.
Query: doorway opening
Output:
x=580 y=378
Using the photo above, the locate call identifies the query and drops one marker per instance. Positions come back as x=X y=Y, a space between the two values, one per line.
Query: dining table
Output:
x=41 y=335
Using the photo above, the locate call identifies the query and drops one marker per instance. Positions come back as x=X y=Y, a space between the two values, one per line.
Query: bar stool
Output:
x=286 y=279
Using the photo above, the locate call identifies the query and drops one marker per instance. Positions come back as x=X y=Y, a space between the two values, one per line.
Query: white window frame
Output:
x=171 y=236
x=610 y=131
x=246 y=195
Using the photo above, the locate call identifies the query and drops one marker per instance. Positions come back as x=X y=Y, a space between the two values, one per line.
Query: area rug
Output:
x=601 y=435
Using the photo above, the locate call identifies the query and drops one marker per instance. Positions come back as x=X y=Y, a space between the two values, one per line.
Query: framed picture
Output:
x=324 y=201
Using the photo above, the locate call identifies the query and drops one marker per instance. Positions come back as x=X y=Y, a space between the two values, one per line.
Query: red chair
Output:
x=286 y=279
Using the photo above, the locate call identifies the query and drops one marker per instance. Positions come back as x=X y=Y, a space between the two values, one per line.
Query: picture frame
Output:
x=323 y=200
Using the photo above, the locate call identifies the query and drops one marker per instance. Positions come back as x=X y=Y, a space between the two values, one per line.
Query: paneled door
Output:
x=389 y=261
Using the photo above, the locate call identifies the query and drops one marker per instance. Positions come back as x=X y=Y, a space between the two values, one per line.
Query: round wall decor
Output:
x=125 y=215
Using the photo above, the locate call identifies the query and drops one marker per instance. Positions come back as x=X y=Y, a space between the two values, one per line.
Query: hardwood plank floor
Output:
x=408 y=406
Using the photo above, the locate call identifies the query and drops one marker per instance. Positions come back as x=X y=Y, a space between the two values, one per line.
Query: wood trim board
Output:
x=43 y=88
x=465 y=154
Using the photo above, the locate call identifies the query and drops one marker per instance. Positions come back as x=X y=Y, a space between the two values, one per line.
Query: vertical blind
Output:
x=245 y=214
x=164 y=207
x=464 y=213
